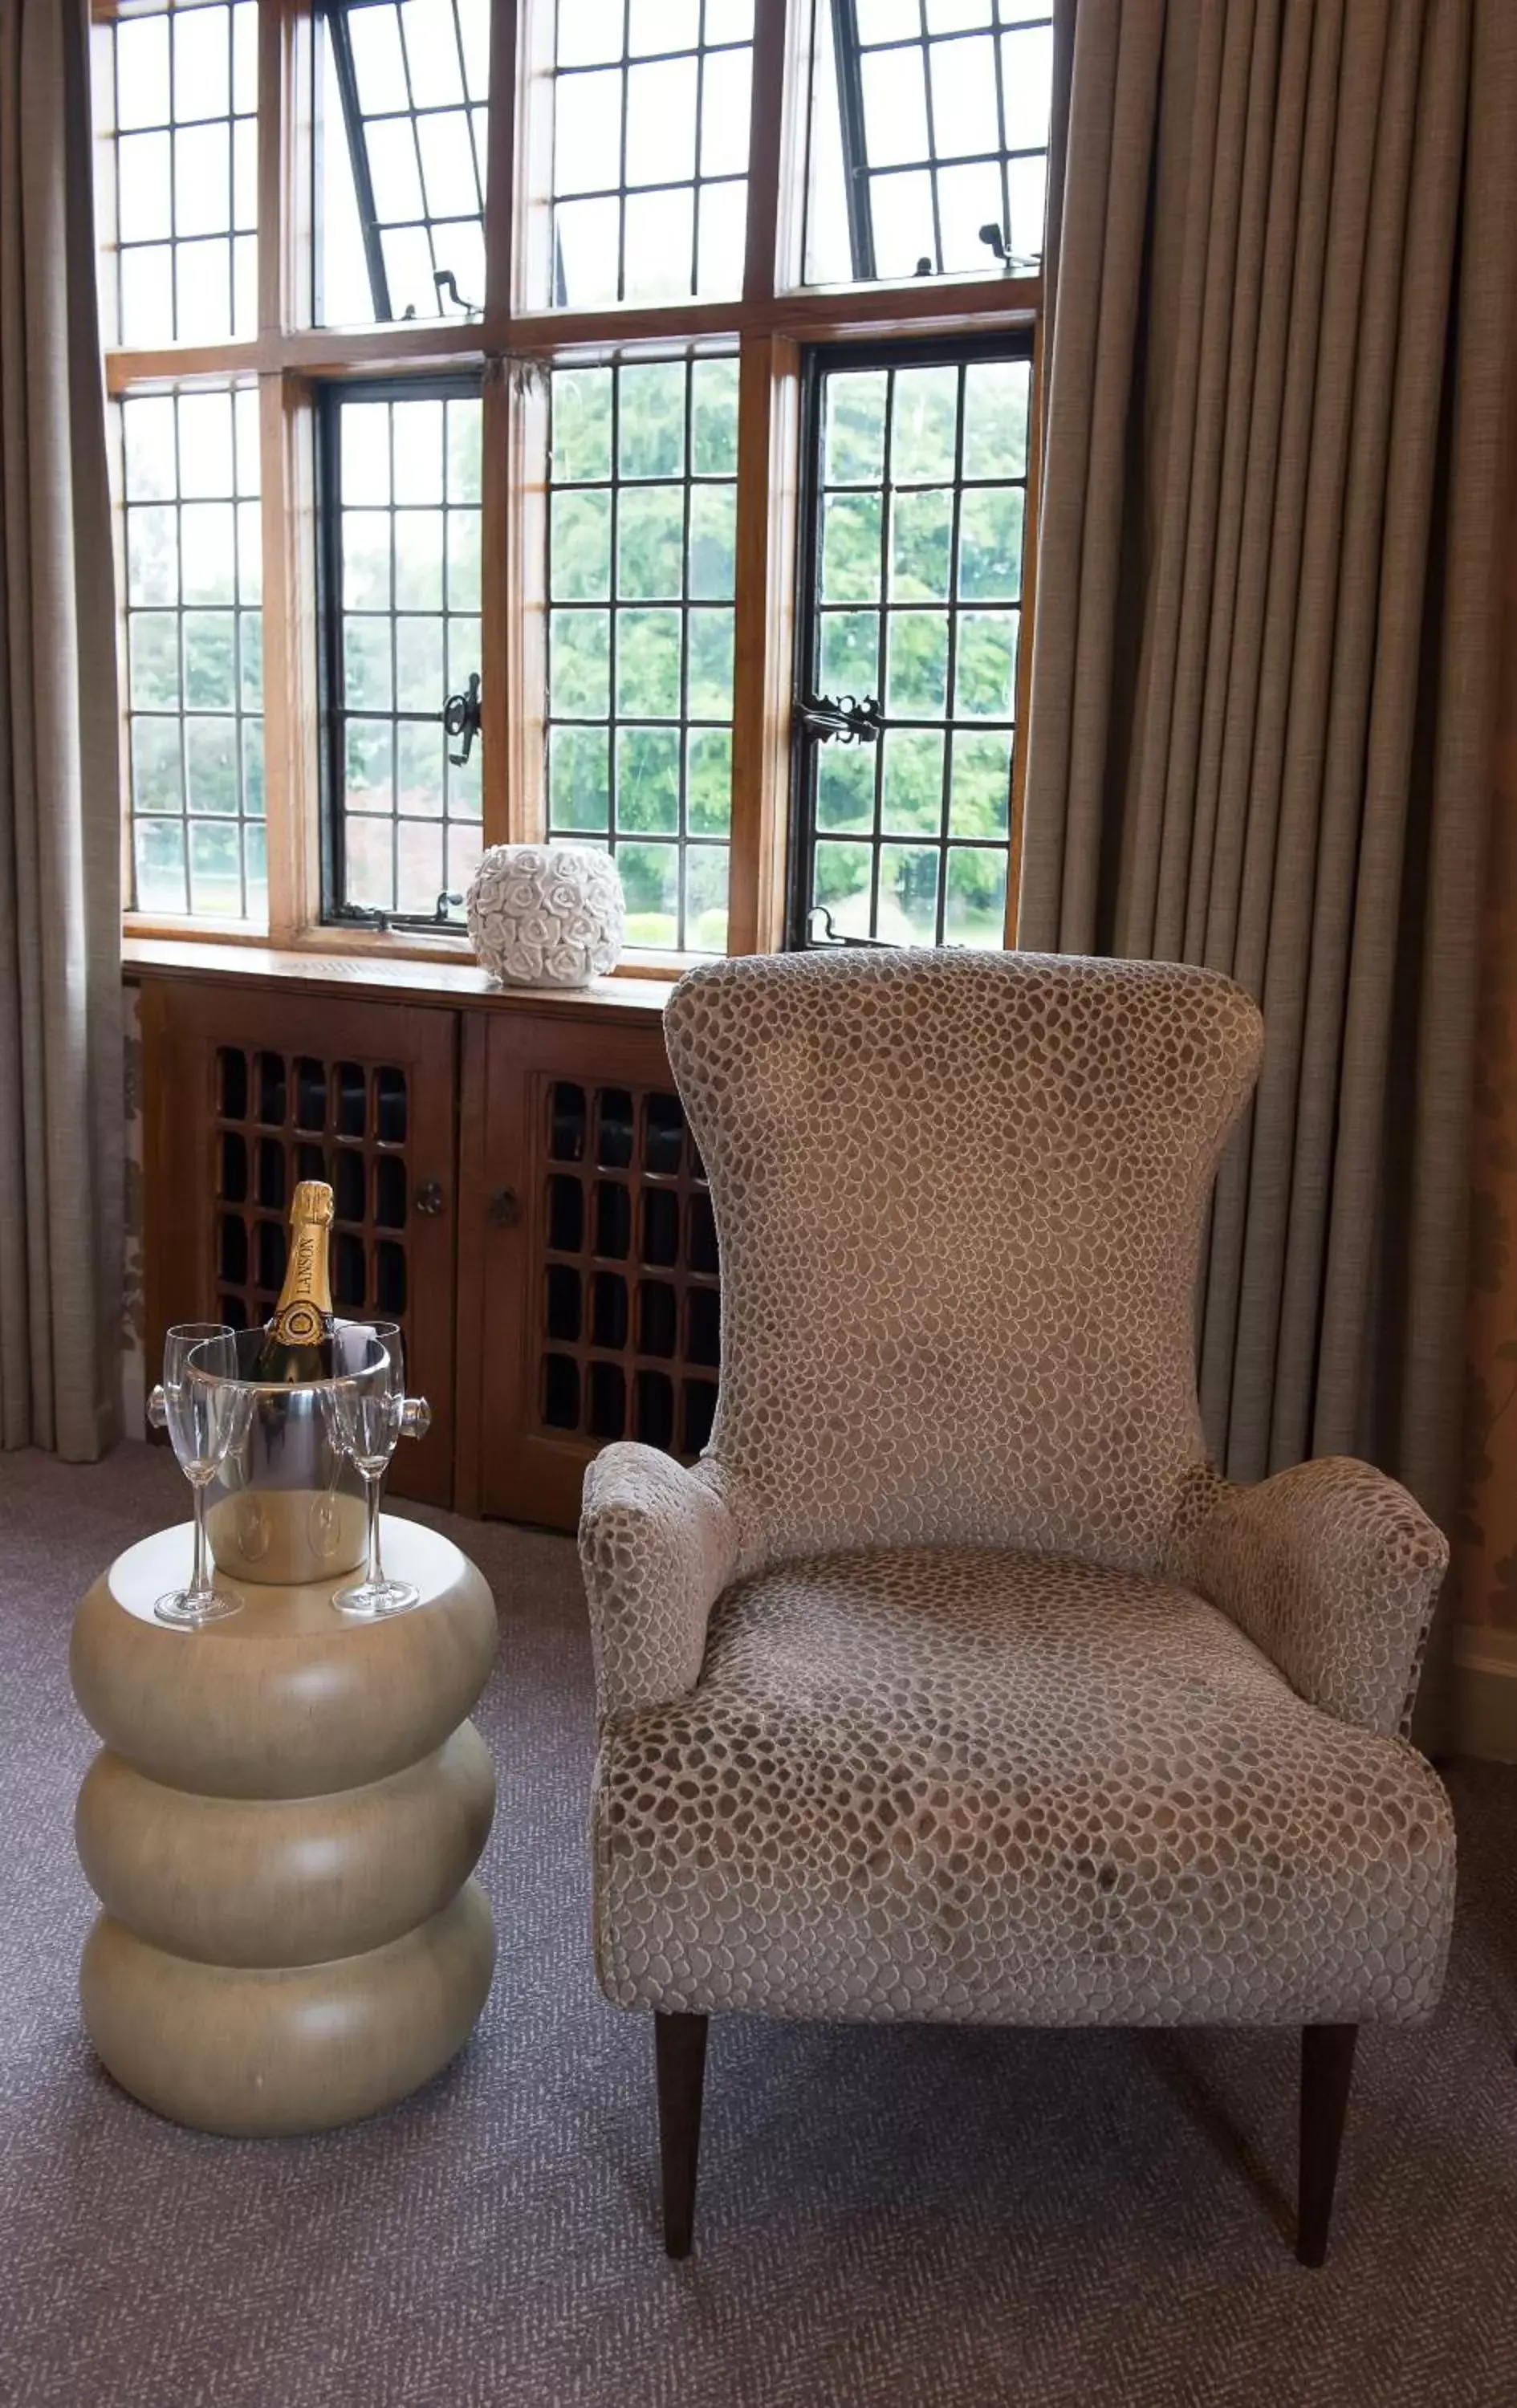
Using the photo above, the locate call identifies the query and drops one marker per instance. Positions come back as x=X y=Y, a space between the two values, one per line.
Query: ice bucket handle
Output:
x=415 y=1414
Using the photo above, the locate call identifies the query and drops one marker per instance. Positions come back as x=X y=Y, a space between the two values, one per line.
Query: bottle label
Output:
x=302 y=1314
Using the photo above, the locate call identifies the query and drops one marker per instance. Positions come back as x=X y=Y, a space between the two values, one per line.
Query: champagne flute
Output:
x=206 y=1413
x=368 y=1406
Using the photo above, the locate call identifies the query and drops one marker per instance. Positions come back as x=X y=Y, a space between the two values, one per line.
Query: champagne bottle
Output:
x=297 y=1341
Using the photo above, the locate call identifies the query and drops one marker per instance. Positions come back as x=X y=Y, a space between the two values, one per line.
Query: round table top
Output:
x=288 y=1698
x=163 y=1562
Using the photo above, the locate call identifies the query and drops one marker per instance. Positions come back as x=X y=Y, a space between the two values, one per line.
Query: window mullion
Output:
x=514 y=473
x=768 y=417
x=775 y=87
x=507 y=65
x=292 y=783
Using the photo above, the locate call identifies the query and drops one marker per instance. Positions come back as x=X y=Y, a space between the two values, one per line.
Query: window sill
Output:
x=403 y=976
x=379 y=946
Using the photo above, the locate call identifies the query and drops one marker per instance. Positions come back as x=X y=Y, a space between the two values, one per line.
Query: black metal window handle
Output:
x=444 y=280
x=820 y=931
x=854 y=722
x=461 y=717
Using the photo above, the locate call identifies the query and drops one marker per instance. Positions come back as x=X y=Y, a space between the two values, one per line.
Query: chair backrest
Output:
x=960 y=1200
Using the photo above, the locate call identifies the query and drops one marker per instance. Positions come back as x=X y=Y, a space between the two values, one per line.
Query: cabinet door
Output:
x=249 y=1090
x=588 y=1233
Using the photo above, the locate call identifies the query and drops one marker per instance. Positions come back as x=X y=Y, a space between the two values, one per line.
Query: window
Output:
x=649 y=149
x=194 y=653
x=176 y=101
x=929 y=138
x=643 y=564
x=609 y=421
x=915 y=535
x=403 y=131
x=402 y=514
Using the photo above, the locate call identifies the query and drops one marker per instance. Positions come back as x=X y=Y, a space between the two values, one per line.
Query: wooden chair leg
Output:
x=1326 y=2071
x=680 y=2049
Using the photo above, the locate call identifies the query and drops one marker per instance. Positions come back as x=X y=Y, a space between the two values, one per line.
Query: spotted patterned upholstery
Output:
x=955 y=1681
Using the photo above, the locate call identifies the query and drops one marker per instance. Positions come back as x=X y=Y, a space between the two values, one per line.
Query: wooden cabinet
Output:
x=514 y=1182
x=248 y=1090
x=590 y=1253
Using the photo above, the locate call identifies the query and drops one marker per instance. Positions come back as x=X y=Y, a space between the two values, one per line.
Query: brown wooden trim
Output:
x=532 y=267
x=186 y=363
x=450 y=985
x=379 y=945
x=292 y=779
x=496 y=629
x=500 y=180
x=161 y=1180
x=1026 y=625
x=471 y=1354
x=274 y=183
x=286 y=99
x=771 y=42
x=769 y=419
x=316 y=351
x=789 y=169
x=525 y=458
x=823 y=314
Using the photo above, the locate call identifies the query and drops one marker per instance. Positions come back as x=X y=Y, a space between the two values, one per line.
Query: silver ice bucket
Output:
x=287 y=1505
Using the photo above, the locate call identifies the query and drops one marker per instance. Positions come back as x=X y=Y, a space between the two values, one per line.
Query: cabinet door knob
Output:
x=505 y=1207
x=429 y=1199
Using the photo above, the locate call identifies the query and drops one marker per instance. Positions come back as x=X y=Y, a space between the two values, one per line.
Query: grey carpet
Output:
x=901 y=2216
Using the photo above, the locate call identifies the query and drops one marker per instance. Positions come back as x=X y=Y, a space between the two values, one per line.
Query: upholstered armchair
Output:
x=953 y=1682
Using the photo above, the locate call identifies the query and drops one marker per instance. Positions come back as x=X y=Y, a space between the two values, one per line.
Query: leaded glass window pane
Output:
x=641 y=577
x=401 y=159
x=912 y=599
x=194 y=670
x=649 y=149
x=928 y=138
x=403 y=620
x=176 y=102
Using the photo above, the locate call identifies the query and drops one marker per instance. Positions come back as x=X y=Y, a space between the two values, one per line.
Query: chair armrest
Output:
x=658 y=1545
x=1333 y=1571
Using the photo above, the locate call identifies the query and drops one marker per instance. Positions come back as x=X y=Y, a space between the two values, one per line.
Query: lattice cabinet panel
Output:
x=603 y=1316
x=250 y=1092
x=627 y=1312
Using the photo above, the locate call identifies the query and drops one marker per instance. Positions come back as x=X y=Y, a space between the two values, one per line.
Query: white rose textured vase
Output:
x=547 y=914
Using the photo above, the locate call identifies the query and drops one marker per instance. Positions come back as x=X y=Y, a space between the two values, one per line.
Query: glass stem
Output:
x=371 y=1498
x=199 y=1578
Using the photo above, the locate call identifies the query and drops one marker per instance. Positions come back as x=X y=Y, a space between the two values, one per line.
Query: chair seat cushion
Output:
x=968 y=1784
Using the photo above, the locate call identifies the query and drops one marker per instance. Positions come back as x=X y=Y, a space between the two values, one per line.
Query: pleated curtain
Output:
x=60 y=1104
x=1278 y=426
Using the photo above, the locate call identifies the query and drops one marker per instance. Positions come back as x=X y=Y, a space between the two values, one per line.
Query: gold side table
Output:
x=281 y=1827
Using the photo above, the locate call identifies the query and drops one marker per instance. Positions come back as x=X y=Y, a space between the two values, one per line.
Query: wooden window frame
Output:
x=770 y=324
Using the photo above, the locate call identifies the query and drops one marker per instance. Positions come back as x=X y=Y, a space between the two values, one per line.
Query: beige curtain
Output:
x=59 y=876
x=1279 y=409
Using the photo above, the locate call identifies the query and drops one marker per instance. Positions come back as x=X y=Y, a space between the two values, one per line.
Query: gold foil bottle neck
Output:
x=311 y=1203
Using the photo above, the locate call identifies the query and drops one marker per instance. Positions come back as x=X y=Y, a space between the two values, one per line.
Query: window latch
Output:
x=993 y=237
x=847 y=718
x=828 y=935
x=461 y=717
x=447 y=291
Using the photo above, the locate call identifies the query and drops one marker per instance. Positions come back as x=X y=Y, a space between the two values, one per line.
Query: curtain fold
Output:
x=61 y=1091
x=1280 y=370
